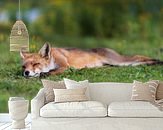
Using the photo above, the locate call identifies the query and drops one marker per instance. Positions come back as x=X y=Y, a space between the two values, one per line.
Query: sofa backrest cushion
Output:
x=48 y=89
x=107 y=92
x=144 y=91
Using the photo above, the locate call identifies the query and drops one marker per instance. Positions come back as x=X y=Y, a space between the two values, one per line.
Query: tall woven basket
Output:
x=19 y=37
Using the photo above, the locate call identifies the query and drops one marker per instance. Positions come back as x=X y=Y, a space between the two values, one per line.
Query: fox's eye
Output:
x=36 y=64
x=23 y=66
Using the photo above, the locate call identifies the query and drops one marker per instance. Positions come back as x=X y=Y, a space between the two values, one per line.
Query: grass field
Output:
x=12 y=83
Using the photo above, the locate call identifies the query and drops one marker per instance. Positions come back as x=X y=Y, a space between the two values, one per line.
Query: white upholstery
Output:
x=74 y=109
x=108 y=92
x=36 y=104
x=106 y=123
x=133 y=109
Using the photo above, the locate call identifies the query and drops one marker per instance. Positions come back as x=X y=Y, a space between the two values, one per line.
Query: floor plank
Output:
x=1 y=124
x=4 y=126
x=8 y=126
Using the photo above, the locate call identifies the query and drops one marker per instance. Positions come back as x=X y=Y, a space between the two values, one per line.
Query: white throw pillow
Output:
x=71 y=84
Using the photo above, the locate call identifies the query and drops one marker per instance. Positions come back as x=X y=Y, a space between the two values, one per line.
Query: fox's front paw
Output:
x=43 y=75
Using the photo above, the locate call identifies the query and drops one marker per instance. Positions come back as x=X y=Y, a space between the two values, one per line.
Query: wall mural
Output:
x=102 y=41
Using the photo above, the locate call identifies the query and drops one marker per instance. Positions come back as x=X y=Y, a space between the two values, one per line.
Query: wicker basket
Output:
x=19 y=37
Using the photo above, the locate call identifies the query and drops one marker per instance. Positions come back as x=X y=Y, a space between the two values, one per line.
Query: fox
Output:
x=56 y=60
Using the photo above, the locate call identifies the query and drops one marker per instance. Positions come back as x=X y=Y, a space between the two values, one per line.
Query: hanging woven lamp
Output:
x=19 y=37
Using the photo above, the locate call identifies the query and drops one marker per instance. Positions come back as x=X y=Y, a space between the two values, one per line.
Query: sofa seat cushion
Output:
x=133 y=109
x=74 y=109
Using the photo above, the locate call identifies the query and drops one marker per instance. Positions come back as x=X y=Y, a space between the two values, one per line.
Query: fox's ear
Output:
x=45 y=50
x=23 y=54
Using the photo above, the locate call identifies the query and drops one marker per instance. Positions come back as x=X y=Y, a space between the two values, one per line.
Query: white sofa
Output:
x=113 y=111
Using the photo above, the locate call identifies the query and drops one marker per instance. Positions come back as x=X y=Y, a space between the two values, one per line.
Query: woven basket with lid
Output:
x=19 y=37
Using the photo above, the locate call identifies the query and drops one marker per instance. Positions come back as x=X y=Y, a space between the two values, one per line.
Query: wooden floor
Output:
x=7 y=126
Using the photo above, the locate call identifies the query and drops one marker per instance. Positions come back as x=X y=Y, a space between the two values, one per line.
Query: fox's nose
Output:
x=26 y=73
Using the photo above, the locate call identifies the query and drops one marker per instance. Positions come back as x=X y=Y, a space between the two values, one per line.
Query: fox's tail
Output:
x=155 y=62
x=114 y=58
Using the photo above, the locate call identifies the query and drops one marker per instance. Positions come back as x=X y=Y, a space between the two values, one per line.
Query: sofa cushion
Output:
x=48 y=89
x=70 y=95
x=72 y=84
x=74 y=109
x=144 y=91
x=133 y=109
x=159 y=93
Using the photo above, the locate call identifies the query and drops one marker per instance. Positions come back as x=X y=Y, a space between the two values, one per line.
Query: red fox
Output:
x=57 y=60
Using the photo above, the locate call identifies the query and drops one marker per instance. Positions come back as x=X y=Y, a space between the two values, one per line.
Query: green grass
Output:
x=12 y=83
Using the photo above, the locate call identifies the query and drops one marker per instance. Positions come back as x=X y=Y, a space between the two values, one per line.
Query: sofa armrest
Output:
x=36 y=103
